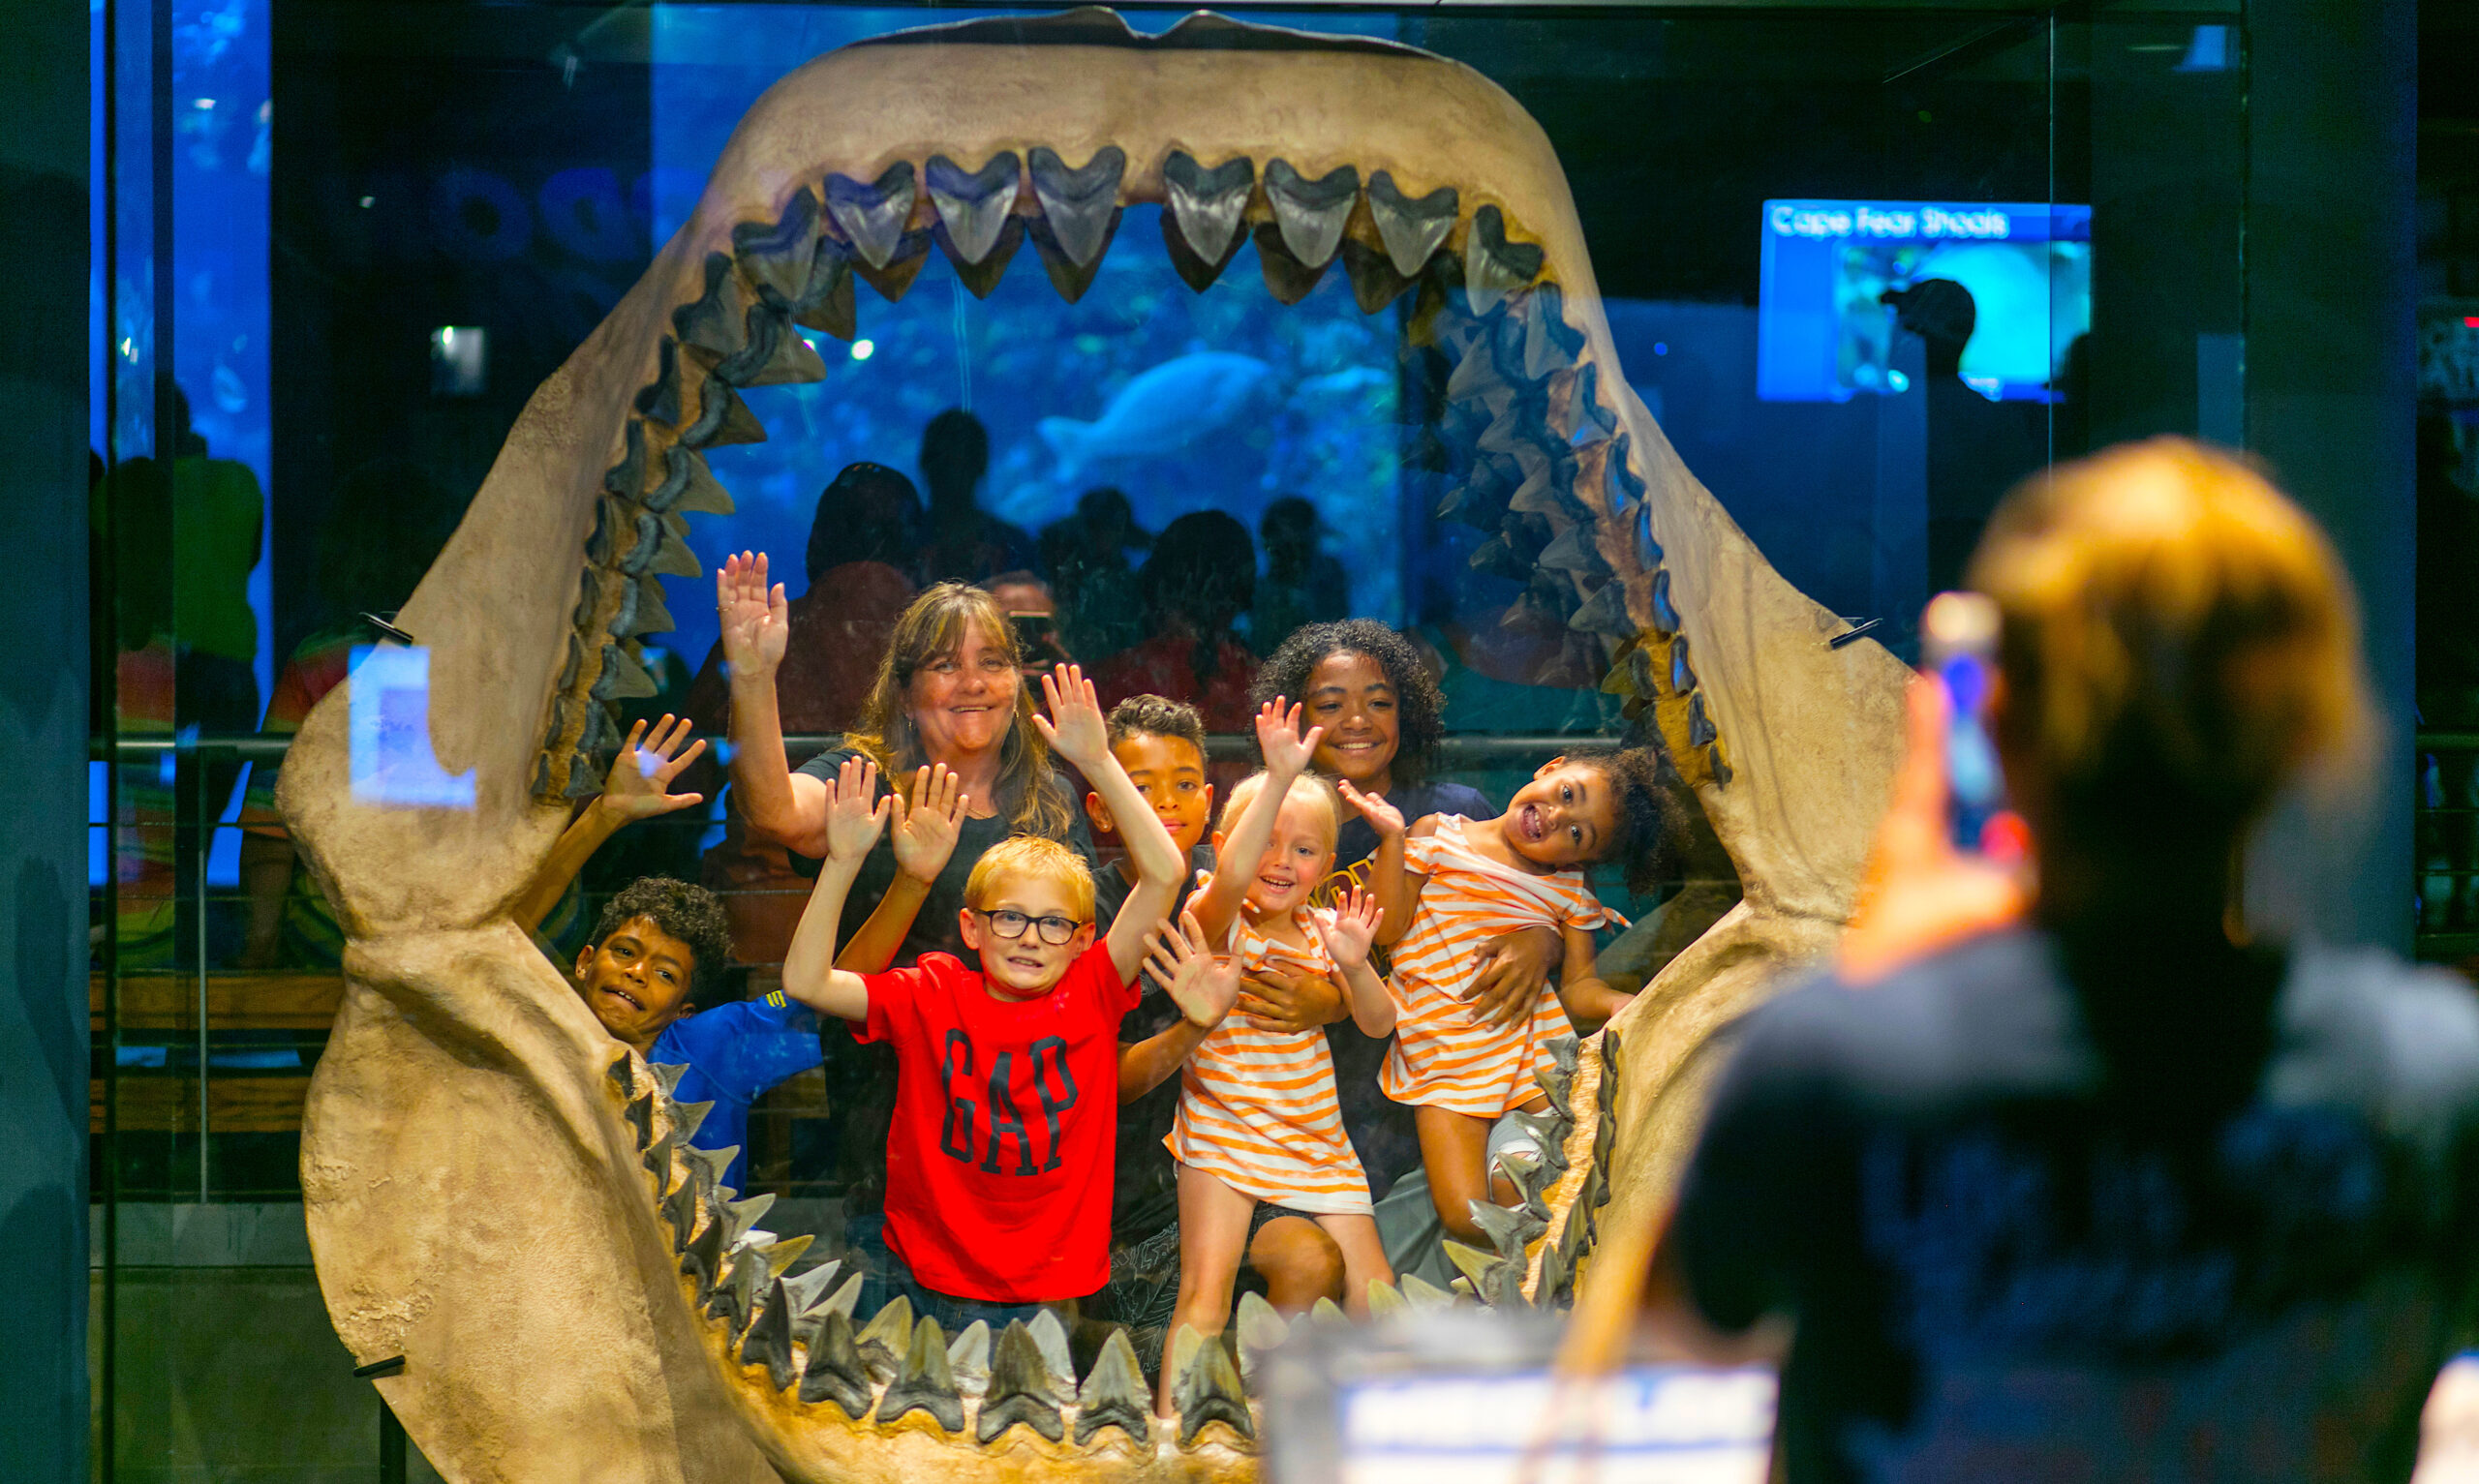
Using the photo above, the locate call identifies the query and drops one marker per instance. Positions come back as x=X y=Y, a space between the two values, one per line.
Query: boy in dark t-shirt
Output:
x=999 y=1157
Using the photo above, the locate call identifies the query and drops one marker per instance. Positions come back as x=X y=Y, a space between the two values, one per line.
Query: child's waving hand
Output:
x=1285 y=750
x=926 y=823
x=639 y=778
x=1076 y=728
x=1202 y=984
x=1348 y=927
x=854 y=813
x=1383 y=817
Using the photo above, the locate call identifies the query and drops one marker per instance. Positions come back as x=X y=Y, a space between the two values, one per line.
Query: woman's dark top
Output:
x=2219 y=1219
x=1382 y=1131
x=861 y=1080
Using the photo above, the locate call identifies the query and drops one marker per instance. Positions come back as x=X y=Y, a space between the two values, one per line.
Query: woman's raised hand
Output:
x=1075 y=729
x=854 y=813
x=1278 y=738
x=635 y=788
x=755 y=620
x=925 y=834
x=1204 y=984
x=1347 y=928
x=1383 y=817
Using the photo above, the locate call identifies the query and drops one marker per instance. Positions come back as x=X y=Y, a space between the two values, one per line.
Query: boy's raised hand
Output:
x=1278 y=738
x=635 y=788
x=1204 y=984
x=755 y=620
x=854 y=813
x=1347 y=928
x=1076 y=728
x=1383 y=817
x=925 y=834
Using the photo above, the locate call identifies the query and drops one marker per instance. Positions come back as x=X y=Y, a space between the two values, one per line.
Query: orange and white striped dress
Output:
x=1444 y=1056
x=1257 y=1105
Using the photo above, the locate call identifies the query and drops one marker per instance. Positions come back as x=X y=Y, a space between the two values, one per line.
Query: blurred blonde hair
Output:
x=1307 y=785
x=1035 y=855
x=2178 y=642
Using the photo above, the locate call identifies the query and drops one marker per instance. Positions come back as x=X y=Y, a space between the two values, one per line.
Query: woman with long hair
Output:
x=2071 y=1174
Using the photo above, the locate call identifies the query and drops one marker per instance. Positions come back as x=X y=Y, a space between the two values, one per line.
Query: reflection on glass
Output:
x=392 y=762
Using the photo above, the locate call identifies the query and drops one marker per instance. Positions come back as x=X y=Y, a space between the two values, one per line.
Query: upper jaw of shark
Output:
x=970 y=141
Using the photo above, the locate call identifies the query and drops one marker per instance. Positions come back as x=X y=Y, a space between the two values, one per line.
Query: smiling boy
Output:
x=999 y=1156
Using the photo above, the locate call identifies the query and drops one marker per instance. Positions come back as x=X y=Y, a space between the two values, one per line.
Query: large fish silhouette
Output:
x=1163 y=410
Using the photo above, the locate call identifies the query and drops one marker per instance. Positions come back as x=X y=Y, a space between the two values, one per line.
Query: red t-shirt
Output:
x=1000 y=1159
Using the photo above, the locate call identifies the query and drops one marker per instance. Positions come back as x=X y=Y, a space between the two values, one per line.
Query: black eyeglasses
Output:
x=1010 y=923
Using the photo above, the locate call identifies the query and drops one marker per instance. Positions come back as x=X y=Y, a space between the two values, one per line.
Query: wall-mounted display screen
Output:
x=1824 y=328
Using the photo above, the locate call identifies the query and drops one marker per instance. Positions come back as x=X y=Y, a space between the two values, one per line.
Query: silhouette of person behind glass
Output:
x=966 y=543
x=1977 y=448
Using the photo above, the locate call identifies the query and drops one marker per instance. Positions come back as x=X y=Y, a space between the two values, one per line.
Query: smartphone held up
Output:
x=1958 y=646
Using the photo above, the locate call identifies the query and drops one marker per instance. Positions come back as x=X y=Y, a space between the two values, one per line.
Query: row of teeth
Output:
x=1533 y=449
x=800 y=1331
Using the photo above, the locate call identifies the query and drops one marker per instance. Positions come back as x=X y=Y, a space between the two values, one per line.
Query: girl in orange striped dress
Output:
x=1448 y=886
x=1258 y=1116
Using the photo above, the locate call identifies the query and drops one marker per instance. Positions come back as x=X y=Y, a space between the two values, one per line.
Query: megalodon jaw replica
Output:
x=504 y=1198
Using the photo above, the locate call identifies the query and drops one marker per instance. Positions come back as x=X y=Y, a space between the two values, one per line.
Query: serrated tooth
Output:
x=1115 y=1394
x=974 y=206
x=708 y=1167
x=781 y=1252
x=1374 y=282
x=734 y=1300
x=1311 y=213
x=1412 y=230
x=968 y=1358
x=770 y=1338
x=925 y=1384
x=1049 y=1336
x=1576 y=551
x=1605 y=613
x=657 y=1162
x=1287 y=278
x=826 y=304
x=1509 y=1230
x=703 y=1258
x=741 y=1216
x=1327 y=1311
x=1067 y=275
x=1550 y=345
x=1206 y=1387
x=1081 y=203
x=775 y=257
x=809 y=1289
x=722 y=418
x=1494 y=266
x=883 y=1341
x=687 y=1117
x=680 y=1208
x=894 y=277
x=1385 y=1301
x=669 y=1076
x=687 y=488
x=623 y=677
x=775 y=354
x=1421 y=1294
x=639 y=1111
x=872 y=214
x=1020 y=1388
x=1261 y=1327
x=835 y=1372
x=1525 y=1169
x=982 y=278
x=712 y=321
x=1208 y=204
x=1494 y=1281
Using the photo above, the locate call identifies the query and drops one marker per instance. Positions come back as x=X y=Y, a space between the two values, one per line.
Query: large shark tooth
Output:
x=1548 y=1134
x=1311 y=213
x=703 y=1257
x=1202 y=226
x=660 y=398
x=1115 y=1394
x=974 y=206
x=1526 y=1169
x=712 y=321
x=734 y=1300
x=1556 y=1285
x=1287 y=278
x=741 y=1216
x=1492 y=265
x=657 y=1162
x=687 y=1117
x=1682 y=675
x=981 y=277
x=1385 y=1300
x=669 y=1075
x=1257 y=1328
x=925 y=1384
x=1605 y=613
x=775 y=354
x=680 y=1208
x=1081 y=203
x=1550 y=345
x=826 y=304
x=968 y=1358
x=872 y=214
x=836 y=1372
x=1019 y=1388
x=1374 y=282
x=1495 y=1281
x=623 y=677
x=722 y=418
x=639 y=1114
x=1206 y=1387
x=1573 y=408
x=883 y=1342
x=1421 y=1295
x=1050 y=1337
x=1701 y=731
x=1665 y=621
x=1576 y=550
x=775 y=257
x=770 y=1338
x=1412 y=230
x=707 y=1166
x=806 y=1292
x=687 y=488
x=1509 y=1230
x=893 y=278
x=1067 y=275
